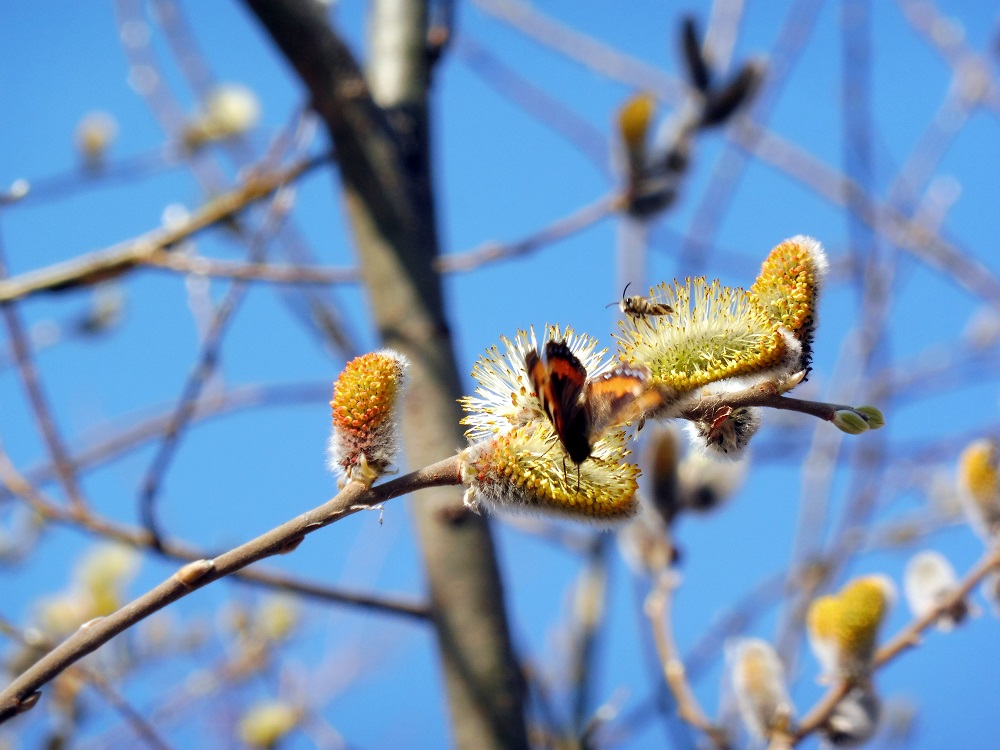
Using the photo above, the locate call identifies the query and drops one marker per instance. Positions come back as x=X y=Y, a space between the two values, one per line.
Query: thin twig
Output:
x=22 y=693
x=114 y=261
x=657 y=609
x=489 y=252
x=36 y=396
x=272 y=273
x=584 y=49
x=138 y=723
x=907 y=638
x=13 y=482
x=119 y=441
x=205 y=366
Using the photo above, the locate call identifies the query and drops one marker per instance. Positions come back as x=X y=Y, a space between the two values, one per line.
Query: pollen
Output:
x=863 y=605
x=715 y=333
x=788 y=286
x=365 y=392
x=365 y=413
x=843 y=628
x=525 y=470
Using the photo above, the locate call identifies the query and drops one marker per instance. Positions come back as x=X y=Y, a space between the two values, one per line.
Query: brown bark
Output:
x=380 y=135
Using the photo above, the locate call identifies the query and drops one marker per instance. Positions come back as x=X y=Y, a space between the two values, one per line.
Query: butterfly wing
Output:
x=619 y=396
x=559 y=383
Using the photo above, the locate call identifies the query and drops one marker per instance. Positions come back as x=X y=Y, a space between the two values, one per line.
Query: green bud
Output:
x=849 y=421
x=872 y=415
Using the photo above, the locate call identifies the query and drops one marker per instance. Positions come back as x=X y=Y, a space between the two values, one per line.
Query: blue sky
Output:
x=502 y=174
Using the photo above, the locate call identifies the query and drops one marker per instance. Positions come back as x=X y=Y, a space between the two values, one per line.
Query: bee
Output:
x=641 y=307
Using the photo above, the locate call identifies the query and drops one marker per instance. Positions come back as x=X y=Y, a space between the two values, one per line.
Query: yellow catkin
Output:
x=634 y=118
x=787 y=288
x=715 y=333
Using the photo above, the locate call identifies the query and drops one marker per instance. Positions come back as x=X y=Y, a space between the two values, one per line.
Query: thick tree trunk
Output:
x=380 y=132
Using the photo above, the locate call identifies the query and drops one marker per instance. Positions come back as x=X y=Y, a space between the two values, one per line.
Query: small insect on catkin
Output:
x=366 y=404
x=758 y=679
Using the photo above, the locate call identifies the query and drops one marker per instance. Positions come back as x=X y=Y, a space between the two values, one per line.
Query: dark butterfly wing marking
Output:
x=559 y=383
x=581 y=410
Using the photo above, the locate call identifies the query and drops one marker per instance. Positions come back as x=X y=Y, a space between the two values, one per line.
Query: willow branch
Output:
x=105 y=264
x=36 y=395
x=764 y=394
x=657 y=609
x=490 y=252
x=23 y=693
x=136 y=721
x=205 y=366
x=380 y=126
x=907 y=638
x=84 y=520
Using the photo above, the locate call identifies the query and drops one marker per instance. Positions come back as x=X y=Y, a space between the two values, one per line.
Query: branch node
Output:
x=194 y=571
x=27 y=703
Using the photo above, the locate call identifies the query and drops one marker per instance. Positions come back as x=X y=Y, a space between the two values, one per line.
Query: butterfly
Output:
x=641 y=307
x=582 y=411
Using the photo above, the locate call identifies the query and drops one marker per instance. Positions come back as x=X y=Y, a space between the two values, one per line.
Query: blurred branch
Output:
x=972 y=71
x=205 y=365
x=490 y=252
x=590 y=599
x=901 y=230
x=114 y=261
x=908 y=637
x=129 y=168
x=22 y=694
x=540 y=104
x=261 y=271
x=596 y=55
x=657 y=609
x=36 y=396
x=140 y=725
x=120 y=441
x=17 y=485
x=725 y=178
x=316 y=309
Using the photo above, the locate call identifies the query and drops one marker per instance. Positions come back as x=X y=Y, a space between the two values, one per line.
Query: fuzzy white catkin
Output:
x=928 y=579
x=758 y=679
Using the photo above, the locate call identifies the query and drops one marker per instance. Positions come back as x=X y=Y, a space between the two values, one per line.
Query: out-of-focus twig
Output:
x=104 y=264
x=493 y=251
x=139 y=725
x=118 y=441
x=22 y=694
x=596 y=55
x=13 y=482
x=36 y=396
x=205 y=366
x=907 y=638
x=543 y=106
x=657 y=608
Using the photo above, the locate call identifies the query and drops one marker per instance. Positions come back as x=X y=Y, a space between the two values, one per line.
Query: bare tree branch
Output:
x=22 y=693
